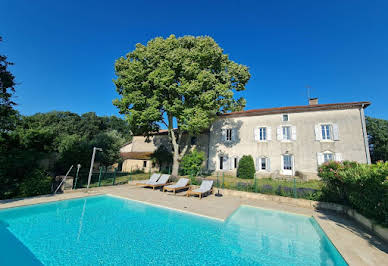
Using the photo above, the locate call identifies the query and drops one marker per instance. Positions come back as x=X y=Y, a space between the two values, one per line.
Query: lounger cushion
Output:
x=182 y=182
x=153 y=178
x=206 y=186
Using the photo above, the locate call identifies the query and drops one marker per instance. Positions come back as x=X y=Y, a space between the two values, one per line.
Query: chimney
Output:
x=313 y=101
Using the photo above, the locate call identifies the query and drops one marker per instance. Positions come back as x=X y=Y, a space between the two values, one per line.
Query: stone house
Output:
x=283 y=141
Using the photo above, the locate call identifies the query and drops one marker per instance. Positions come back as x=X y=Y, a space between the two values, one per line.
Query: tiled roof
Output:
x=296 y=109
x=136 y=155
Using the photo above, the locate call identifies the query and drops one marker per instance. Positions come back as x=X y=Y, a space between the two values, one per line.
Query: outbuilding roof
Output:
x=136 y=155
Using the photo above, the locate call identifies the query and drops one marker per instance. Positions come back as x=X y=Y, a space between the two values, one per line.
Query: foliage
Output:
x=8 y=115
x=361 y=186
x=161 y=156
x=37 y=182
x=192 y=162
x=246 y=167
x=378 y=138
x=181 y=82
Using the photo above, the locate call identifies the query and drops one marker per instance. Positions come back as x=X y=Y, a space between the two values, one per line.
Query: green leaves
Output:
x=378 y=138
x=188 y=78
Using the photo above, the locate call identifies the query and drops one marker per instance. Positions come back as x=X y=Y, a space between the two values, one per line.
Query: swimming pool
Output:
x=115 y=231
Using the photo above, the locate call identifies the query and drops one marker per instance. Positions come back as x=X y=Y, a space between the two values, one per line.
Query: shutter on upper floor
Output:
x=256 y=134
x=269 y=133
x=335 y=132
x=279 y=133
x=293 y=132
x=234 y=134
x=223 y=135
x=318 y=134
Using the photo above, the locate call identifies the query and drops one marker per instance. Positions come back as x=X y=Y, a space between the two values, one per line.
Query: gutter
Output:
x=365 y=135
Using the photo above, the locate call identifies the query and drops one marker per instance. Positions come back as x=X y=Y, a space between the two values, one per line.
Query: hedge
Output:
x=362 y=187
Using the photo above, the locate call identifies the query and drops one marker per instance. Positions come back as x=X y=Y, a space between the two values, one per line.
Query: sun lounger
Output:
x=206 y=187
x=160 y=183
x=153 y=178
x=181 y=184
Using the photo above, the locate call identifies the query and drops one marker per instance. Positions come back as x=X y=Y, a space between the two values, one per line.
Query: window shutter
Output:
x=338 y=157
x=335 y=132
x=293 y=132
x=318 y=133
x=269 y=133
x=226 y=163
x=224 y=135
x=234 y=134
x=257 y=164
x=268 y=165
x=256 y=133
x=320 y=158
x=231 y=163
x=279 y=133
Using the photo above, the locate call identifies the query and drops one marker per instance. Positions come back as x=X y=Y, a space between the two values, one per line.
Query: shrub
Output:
x=360 y=186
x=246 y=167
x=38 y=182
x=192 y=162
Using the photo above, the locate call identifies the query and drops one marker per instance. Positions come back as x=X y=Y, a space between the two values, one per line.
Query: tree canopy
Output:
x=378 y=138
x=178 y=82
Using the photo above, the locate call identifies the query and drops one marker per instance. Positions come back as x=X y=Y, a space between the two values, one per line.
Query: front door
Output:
x=287 y=164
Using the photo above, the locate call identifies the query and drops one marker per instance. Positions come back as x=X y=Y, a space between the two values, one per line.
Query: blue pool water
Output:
x=111 y=231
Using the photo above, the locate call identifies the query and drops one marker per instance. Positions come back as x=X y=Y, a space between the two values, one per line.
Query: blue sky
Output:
x=64 y=51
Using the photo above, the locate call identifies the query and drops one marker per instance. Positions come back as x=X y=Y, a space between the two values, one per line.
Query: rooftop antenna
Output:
x=308 y=92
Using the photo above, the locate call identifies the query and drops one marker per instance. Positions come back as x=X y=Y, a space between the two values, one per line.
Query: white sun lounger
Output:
x=206 y=187
x=153 y=178
x=181 y=184
x=161 y=182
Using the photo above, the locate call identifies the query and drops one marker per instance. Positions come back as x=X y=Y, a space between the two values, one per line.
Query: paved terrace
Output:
x=357 y=245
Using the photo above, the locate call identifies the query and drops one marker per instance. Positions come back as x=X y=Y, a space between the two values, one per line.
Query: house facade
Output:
x=284 y=141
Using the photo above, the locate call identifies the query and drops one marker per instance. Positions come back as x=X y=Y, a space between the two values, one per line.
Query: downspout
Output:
x=365 y=135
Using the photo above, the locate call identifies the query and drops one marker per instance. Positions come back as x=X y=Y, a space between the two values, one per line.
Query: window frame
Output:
x=324 y=131
x=285 y=115
x=263 y=133
x=289 y=133
x=263 y=159
x=221 y=162
x=229 y=137
x=328 y=153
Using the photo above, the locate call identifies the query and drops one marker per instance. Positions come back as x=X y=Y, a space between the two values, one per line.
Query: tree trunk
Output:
x=175 y=166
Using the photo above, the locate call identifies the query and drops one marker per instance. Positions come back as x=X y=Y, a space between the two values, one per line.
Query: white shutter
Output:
x=320 y=158
x=279 y=133
x=226 y=163
x=257 y=164
x=256 y=133
x=335 y=132
x=223 y=135
x=338 y=157
x=269 y=133
x=268 y=165
x=231 y=163
x=293 y=132
x=318 y=133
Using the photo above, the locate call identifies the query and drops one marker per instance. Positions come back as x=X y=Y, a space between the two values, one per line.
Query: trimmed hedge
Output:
x=360 y=186
x=246 y=167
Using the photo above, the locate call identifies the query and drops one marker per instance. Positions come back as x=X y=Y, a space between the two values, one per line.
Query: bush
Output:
x=38 y=182
x=192 y=162
x=360 y=186
x=246 y=167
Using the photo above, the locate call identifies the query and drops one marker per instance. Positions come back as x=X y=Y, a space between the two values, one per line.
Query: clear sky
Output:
x=64 y=51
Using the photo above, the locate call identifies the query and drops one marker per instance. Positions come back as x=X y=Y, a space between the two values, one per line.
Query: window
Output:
x=235 y=162
x=286 y=133
x=193 y=140
x=229 y=134
x=144 y=163
x=327 y=157
x=285 y=118
x=221 y=162
x=263 y=165
x=262 y=133
x=287 y=162
x=326 y=132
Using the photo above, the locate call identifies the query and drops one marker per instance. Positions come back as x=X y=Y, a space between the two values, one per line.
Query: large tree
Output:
x=178 y=83
x=378 y=138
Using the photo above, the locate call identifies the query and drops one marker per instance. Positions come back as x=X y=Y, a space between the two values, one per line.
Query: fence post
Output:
x=130 y=171
x=223 y=179
x=114 y=176
x=255 y=184
x=76 y=178
x=294 y=187
x=99 y=177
